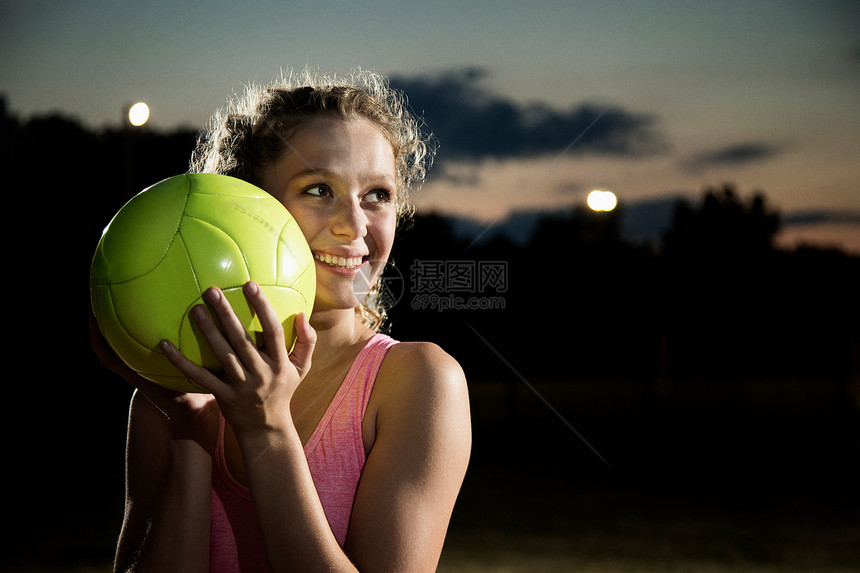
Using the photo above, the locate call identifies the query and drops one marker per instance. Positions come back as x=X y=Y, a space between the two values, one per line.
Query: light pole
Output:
x=133 y=117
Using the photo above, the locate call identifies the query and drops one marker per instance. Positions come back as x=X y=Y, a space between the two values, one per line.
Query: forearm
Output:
x=295 y=530
x=177 y=535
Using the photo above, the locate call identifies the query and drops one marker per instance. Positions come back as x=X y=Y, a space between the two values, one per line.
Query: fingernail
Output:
x=251 y=288
x=166 y=346
x=199 y=311
x=213 y=295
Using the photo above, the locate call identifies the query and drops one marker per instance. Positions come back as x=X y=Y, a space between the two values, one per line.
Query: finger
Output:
x=273 y=330
x=221 y=347
x=306 y=339
x=239 y=348
x=191 y=370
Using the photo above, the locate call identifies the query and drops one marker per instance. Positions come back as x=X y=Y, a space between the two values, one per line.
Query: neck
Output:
x=336 y=329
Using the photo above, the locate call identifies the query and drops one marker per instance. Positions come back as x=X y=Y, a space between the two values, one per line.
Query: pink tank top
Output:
x=335 y=453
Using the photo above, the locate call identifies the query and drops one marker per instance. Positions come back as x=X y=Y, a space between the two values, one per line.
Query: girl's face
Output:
x=338 y=179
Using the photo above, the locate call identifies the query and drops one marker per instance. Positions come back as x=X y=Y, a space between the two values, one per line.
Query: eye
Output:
x=318 y=191
x=378 y=196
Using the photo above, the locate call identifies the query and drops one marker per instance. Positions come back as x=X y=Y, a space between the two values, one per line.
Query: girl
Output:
x=346 y=454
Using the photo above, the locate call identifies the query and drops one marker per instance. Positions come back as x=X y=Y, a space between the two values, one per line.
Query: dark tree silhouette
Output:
x=724 y=224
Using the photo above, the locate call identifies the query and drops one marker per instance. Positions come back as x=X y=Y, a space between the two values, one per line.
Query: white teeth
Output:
x=342 y=262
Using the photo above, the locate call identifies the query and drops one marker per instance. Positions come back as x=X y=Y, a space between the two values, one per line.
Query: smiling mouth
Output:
x=339 y=262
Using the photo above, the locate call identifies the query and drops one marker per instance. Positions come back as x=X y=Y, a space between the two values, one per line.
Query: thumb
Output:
x=303 y=350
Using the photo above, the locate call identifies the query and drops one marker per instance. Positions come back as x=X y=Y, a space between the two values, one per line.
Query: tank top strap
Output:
x=368 y=363
x=354 y=393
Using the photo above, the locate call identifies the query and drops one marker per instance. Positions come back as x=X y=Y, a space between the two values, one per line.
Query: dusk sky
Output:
x=533 y=103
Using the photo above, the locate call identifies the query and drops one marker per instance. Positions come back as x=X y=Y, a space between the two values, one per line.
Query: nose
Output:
x=349 y=220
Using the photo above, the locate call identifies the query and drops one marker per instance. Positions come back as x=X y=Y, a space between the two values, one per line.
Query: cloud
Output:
x=471 y=123
x=821 y=217
x=737 y=154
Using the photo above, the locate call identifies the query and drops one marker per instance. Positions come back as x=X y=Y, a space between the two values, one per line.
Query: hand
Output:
x=257 y=384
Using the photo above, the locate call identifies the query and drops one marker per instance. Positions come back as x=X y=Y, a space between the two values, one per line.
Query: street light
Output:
x=138 y=114
x=602 y=200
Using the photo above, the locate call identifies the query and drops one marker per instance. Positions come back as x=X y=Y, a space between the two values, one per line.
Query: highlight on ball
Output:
x=174 y=240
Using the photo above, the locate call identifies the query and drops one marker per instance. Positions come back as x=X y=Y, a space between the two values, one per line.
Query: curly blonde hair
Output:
x=253 y=129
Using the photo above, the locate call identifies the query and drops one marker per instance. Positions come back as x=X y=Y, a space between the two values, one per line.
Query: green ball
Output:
x=174 y=240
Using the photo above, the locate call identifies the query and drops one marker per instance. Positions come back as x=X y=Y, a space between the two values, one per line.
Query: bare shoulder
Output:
x=424 y=358
x=419 y=381
x=421 y=367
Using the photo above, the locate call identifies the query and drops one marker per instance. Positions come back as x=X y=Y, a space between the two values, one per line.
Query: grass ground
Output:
x=603 y=529
x=717 y=476
x=747 y=476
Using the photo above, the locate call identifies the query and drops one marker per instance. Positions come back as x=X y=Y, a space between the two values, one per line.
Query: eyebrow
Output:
x=327 y=173
x=313 y=172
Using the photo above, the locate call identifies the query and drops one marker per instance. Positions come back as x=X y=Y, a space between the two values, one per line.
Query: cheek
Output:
x=383 y=233
x=308 y=220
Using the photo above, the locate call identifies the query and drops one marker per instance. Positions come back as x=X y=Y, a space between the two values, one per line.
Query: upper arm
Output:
x=146 y=468
x=417 y=463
